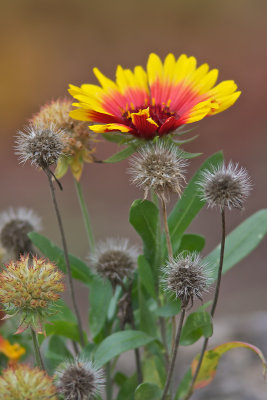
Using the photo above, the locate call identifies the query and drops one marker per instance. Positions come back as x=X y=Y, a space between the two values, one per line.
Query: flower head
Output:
x=79 y=379
x=42 y=146
x=14 y=228
x=78 y=137
x=30 y=287
x=225 y=186
x=24 y=383
x=160 y=168
x=12 y=351
x=186 y=276
x=155 y=102
x=114 y=259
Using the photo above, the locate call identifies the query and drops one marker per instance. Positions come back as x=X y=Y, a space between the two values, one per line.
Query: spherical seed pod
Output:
x=186 y=277
x=114 y=259
x=14 y=228
x=24 y=383
x=79 y=379
x=159 y=168
x=225 y=186
x=39 y=145
x=30 y=287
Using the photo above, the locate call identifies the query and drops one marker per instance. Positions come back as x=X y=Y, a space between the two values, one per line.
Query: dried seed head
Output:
x=42 y=146
x=14 y=228
x=79 y=379
x=25 y=383
x=30 y=287
x=186 y=276
x=114 y=259
x=225 y=186
x=158 y=167
x=78 y=137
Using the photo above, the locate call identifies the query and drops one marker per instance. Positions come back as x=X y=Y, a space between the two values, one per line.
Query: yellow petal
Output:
x=109 y=127
x=154 y=68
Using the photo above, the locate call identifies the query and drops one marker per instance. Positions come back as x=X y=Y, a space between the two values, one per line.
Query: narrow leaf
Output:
x=144 y=217
x=240 y=242
x=119 y=343
x=191 y=242
x=212 y=358
x=148 y=391
x=146 y=276
x=79 y=269
x=122 y=155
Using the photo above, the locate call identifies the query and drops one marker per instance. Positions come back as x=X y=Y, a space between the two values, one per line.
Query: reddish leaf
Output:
x=212 y=358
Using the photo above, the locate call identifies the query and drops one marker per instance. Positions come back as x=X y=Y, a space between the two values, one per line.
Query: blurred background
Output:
x=47 y=44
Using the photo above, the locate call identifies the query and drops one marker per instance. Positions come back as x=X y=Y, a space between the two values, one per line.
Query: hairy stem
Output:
x=108 y=382
x=213 y=308
x=67 y=261
x=38 y=356
x=166 y=228
x=174 y=355
x=86 y=218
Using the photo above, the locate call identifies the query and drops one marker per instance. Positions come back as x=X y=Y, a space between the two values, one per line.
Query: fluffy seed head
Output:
x=21 y=382
x=160 y=168
x=225 y=186
x=78 y=137
x=186 y=276
x=114 y=259
x=30 y=287
x=14 y=227
x=79 y=379
x=40 y=145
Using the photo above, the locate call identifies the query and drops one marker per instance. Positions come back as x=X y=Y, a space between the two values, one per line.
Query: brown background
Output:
x=45 y=45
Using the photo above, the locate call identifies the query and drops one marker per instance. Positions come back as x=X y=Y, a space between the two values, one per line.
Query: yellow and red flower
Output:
x=155 y=102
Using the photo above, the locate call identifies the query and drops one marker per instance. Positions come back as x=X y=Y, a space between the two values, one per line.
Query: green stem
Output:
x=213 y=308
x=108 y=382
x=86 y=218
x=38 y=357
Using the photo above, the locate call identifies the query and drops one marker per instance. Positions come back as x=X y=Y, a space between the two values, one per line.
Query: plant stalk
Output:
x=67 y=261
x=174 y=354
x=213 y=308
x=86 y=217
x=38 y=356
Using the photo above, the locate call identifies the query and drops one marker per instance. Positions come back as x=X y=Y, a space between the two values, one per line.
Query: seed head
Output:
x=21 y=382
x=186 y=276
x=78 y=137
x=225 y=186
x=114 y=259
x=14 y=228
x=42 y=146
x=160 y=168
x=79 y=379
x=31 y=288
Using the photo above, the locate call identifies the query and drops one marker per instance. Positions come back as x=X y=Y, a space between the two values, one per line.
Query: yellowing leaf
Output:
x=212 y=358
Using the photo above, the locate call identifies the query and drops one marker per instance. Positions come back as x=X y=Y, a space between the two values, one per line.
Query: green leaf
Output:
x=56 y=353
x=197 y=324
x=240 y=242
x=184 y=385
x=146 y=276
x=188 y=156
x=118 y=138
x=144 y=217
x=119 y=343
x=64 y=313
x=211 y=360
x=79 y=269
x=147 y=317
x=148 y=391
x=128 y=388
x=189 y=205
x=122 y=155
x=171 y=308
x=154 y=370
x=191 y=242
x=99 y=299
x=64 y=328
